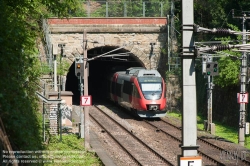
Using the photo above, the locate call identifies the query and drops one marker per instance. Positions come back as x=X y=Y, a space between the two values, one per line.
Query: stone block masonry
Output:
x=138 y=32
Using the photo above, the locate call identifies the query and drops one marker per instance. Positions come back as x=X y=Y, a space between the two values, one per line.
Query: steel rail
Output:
x=207 y=142
x=179 y=140
x=138 y=139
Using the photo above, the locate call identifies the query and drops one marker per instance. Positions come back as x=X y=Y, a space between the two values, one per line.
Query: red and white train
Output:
x=140 y=90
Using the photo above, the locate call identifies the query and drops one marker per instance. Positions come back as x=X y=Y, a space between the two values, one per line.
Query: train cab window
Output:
x=136 y=92
x=155 y=87
x=151 y=87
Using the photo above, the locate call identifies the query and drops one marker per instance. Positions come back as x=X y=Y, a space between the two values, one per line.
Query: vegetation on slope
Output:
x=70 y=152
x=19 y=67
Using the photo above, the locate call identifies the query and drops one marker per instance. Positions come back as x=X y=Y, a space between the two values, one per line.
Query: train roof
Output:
x=139 y=72
x=142 y=72
x=145 y=73
x=132 y=70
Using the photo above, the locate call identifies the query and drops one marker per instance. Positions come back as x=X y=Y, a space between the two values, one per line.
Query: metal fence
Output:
x=122 y=9
x=174 y=63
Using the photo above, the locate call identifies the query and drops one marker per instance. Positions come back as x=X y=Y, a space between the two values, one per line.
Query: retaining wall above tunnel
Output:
x=134 y=34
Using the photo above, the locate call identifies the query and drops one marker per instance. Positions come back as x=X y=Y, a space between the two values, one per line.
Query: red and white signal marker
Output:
x=242 y=97
x=86 y=100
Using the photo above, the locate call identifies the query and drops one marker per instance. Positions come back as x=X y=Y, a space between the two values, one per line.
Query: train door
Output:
x=135 y=97
x=119 y=86
x=113 y=88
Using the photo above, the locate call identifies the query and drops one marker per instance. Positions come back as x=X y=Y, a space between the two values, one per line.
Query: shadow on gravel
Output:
x=216 y=138
x=117 y=109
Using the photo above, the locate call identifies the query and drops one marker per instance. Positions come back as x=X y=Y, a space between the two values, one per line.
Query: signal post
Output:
x=81 y=71
x=209 y=69
x=79 y=67
x=86 y=108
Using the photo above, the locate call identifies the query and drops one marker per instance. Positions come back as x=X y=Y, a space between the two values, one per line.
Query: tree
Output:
x=19 y=66
x=228 y=70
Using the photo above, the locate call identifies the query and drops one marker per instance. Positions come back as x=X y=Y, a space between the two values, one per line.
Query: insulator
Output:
x=220 y=47
x=222 y=31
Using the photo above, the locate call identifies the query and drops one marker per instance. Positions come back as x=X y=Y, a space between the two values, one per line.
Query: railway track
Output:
x=137 y=150
x=208 y=150
x=164 y=138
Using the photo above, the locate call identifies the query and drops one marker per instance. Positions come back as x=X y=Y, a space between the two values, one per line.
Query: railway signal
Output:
x=212 y=68
x=79 y=67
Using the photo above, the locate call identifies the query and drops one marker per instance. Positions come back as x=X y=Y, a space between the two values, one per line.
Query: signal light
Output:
x=215 y=68
x=79 y=70
x=208 y=69
x=212 y=69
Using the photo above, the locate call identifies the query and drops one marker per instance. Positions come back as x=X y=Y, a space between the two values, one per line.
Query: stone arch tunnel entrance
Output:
x=99 y=69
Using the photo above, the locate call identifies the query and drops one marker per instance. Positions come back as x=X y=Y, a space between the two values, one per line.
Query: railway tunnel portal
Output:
x=99 y=69
x=126 y=42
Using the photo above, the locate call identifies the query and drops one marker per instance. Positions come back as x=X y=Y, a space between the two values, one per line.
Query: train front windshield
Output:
x=151 y=87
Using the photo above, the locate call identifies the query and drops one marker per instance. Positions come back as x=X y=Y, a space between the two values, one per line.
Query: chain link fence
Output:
x=122 y=9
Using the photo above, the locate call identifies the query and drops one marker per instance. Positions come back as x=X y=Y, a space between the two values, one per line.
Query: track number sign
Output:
x=242 y=97
x=191 y=161
x=86 y=100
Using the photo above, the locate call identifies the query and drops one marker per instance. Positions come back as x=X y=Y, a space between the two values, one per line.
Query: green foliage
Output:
x=132 y=8
x=62 y=66
x=45 y=68
x=222 y=130
x=175 y=114
x=69 y=142
x=19 y=74
x=79 y=11
x=71 y=151
x=175 y=71
x=61 y=8
x=228 y=68
x=20 y=68
x=153 y=8
x=228 y=71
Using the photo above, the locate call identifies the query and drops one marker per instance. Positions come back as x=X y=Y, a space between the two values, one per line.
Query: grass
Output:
x=69 y=152
x=221 y=130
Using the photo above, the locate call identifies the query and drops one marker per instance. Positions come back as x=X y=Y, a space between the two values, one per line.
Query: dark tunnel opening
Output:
x=99 y=68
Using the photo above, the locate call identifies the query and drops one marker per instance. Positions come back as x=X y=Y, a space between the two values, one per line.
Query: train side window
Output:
x=118 y=89
x=108 y=85
x=113 y=87
x=127 y=87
